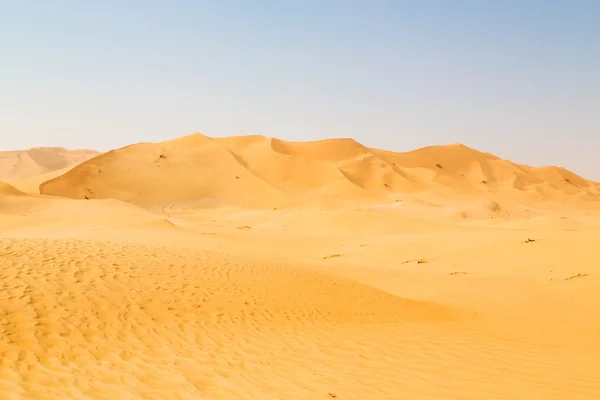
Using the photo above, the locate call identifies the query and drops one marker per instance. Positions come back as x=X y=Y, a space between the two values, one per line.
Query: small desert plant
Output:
x=578 y=276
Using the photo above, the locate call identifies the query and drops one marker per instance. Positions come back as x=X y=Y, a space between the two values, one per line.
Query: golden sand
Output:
x=253 y=268
x=27 y=169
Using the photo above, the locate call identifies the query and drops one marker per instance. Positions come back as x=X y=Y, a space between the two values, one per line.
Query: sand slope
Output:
x=24 y=164
x=255 y=171
x=101 y=299
x=190 y=169
x=9 y=190
x=32 y=184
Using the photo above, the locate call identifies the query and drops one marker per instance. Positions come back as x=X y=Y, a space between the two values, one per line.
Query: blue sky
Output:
x=520 y=79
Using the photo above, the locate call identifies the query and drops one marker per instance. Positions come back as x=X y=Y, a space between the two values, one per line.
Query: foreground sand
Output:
x=101 y=299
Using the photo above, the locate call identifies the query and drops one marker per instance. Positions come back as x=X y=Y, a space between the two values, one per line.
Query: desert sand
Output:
x=27 y=169
x=254 y=268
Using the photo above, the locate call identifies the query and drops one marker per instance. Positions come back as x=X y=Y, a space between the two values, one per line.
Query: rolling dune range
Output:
x=260 y=172
x=254 y=268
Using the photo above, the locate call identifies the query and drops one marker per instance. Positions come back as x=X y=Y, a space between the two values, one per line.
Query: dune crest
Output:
x=9 y=190
x=24 y=164
x=260 y=172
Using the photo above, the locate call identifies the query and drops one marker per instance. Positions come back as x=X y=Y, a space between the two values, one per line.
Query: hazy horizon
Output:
x=516 y=79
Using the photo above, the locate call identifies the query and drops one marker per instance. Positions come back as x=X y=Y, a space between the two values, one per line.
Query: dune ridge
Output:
x=25 y=164
x=9 y=190
x=260 y=172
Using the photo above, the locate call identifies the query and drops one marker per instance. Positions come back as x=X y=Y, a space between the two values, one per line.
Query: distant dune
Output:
x=32 y=184
x=260 y=172
x=25 y=164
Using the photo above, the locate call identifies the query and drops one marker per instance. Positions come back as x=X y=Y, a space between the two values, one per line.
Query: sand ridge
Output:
x=9 y=190
x=261 y=172
x=32 y=184
x=24 y=164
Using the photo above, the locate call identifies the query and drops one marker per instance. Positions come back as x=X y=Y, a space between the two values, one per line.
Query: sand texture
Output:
x=254 y=268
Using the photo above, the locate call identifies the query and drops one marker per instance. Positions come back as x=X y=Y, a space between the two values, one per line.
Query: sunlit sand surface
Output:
x=252 y=268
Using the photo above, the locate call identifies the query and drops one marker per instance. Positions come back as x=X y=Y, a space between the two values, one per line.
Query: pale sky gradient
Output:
x=520 y=79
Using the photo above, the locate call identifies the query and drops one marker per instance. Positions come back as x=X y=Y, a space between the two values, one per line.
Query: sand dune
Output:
x=9 y=190
x=25 y=164
x=31 y=216
x=32 y=185
x=262 y=172
x=253 y=268
x=185 y=170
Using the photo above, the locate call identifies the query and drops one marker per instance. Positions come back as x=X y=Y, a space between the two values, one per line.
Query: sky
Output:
x=519 y=79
